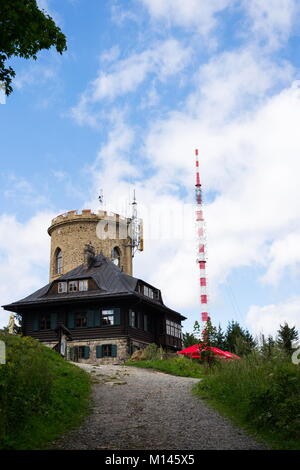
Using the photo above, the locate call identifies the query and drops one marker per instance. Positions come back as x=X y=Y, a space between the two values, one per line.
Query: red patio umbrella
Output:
x=193 y=351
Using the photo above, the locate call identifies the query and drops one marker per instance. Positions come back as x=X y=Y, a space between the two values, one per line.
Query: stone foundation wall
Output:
x=122 y=350
x=125 y=347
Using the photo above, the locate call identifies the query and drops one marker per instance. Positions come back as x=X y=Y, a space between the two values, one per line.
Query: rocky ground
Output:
x=144 y=409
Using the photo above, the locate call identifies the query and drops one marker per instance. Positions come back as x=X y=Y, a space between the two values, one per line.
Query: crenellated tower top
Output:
x=109 y=233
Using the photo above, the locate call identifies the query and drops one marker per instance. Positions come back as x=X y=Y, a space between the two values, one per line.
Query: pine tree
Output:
x=238 y=340
x=268 y=346
x=286 y=336
x=188 y=339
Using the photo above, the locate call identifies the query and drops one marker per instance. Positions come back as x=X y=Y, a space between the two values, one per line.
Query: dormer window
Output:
x=73 y=286
x=83 y=285
x=148 y=291
x=58 y=261
x=62 y=287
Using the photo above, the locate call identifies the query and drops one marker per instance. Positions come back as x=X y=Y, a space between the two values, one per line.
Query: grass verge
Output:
x=176 y=366
x=41 y=395
x=261 y=396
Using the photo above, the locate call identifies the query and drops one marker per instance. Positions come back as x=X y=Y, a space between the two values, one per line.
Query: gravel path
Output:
x=143 y=409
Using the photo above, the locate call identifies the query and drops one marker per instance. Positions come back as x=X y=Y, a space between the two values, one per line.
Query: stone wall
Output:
x=122 y=350
x=71 y=231
x=125 y=347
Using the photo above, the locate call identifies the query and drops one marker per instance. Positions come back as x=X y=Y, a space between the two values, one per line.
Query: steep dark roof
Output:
x=110 y=279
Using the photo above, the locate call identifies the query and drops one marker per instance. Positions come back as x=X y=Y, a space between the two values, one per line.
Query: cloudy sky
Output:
x=144 y=83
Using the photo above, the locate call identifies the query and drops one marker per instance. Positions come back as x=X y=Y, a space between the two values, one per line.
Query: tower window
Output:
x=58 y=261
x=116 y=256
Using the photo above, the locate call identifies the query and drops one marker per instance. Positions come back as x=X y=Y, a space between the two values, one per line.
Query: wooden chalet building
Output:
x=102 y=313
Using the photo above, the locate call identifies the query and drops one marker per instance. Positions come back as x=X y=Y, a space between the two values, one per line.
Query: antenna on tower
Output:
x=101 y=197
x=201 y=251
x=136 y=228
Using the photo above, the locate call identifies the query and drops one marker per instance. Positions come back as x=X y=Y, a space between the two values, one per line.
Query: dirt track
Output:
x=143 y=409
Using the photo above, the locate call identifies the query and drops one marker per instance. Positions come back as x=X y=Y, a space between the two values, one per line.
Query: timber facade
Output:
x=106 y=313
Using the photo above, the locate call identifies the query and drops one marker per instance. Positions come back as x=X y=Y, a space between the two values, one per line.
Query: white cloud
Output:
x=243 y=114
x=165 y=59
x=234 y=82
x=284 y=257
x=271 y=21
x=268 y=22
x=35 y=74
x=250 y=161
x=120 y=15
x=20 y=190
x=111 y=54
x=24 y=252
x=268 y=318
x=162 y=60
x=199 y=14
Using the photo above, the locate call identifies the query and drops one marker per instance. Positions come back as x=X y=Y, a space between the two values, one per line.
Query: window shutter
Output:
x=117 y=316
x=98 y=351
x=97 y=317
x=90 y=318
x=35 y=322
x=114 y=350
x=86 y=353
x=53 y=321
x=71 y=320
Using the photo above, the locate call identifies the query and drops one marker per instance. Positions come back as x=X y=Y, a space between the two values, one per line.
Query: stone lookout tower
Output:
x=115 y=236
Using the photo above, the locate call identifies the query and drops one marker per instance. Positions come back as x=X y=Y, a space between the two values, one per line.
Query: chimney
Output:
x=89 y=254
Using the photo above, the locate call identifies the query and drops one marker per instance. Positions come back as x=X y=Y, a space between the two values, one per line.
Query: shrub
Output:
x=261 y=394
x=152 y=352
x=41 y=395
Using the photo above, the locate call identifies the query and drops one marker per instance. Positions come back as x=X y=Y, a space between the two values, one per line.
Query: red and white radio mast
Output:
x=201 y=252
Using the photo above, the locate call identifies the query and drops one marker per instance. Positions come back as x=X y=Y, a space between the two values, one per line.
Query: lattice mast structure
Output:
x=201 y=251
x=137 y=241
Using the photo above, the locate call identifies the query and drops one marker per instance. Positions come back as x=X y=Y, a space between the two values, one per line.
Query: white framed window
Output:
x=108 y=317
x=73 y=286
x=83 y=285
x=133 y=319
x=62 y=287
x=148 y=292
x=173 y=329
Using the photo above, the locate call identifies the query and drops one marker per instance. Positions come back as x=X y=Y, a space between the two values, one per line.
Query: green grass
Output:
x=176 y=366
x=41 y=395
x=262 y=396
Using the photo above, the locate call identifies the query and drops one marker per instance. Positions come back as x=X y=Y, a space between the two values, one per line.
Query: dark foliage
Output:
x=24 y=31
